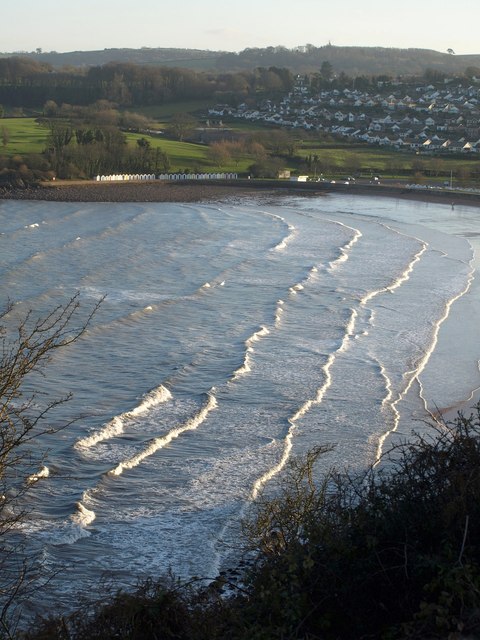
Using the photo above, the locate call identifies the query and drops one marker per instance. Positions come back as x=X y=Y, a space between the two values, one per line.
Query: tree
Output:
x=256 y=149
x=5 y=136
x=352 y=163
x=267 y=168
x=60 y=136
x=326 y=70
x=143 y=144
x=24 y=418
x=181 y=125
x=277 y=141
x=50 y=108
x=470 y=72
x=135 y=121
x=418 y=166
x=162 y=161
x=463 y=175
x=219 y=154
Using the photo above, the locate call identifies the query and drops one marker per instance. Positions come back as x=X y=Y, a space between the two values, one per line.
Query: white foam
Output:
x=344 y=251
x=306 y=406
x=35 y=477
x=244 y=369
x=116 y=426
x=284 y=242
x=262 y=332
x=246 y=366
x=83 y=516
x=296 y=287
x=403 y=277
x=414 y=374
x=279 y=313
x=159 y=443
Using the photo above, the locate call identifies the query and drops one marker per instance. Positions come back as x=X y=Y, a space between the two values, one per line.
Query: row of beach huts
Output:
x=134 y=177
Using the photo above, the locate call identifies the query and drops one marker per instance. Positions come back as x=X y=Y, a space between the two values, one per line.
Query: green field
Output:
x=25 y=136
x=189 y=156
x=162 y=113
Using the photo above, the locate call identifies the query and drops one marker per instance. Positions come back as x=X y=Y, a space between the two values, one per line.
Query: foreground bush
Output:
x=395 y=553
x=392 y=553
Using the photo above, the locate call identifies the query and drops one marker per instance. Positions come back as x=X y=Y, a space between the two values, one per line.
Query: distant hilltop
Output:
x=353 y=61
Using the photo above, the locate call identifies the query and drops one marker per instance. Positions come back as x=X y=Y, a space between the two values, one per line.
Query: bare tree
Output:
x=23 y=419
x=219 y=154
x=5 y=136
x=181 y=126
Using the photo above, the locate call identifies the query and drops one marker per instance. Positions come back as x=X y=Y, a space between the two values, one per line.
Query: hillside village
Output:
x=424 y=118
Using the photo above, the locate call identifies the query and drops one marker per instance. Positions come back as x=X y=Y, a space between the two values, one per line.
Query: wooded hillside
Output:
x=303 y=59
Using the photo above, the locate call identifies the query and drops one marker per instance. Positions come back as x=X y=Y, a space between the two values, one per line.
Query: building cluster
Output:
x=405 y=116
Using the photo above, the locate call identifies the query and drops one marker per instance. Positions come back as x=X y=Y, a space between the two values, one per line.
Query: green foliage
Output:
x=14 y=171
x=152 y=611
x=96 y=137
x=391 y=554
x=25 y=136
x=266 y=168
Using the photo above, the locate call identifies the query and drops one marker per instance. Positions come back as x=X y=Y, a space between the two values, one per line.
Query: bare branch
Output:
x=22 y=421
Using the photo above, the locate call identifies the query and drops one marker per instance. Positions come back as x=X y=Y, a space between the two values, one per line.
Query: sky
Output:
x=233 y=25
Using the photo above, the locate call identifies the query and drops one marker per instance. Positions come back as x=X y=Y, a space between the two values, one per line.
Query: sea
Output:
x=231 y=339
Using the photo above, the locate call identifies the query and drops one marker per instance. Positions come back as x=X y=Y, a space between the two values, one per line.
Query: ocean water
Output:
x=232 y=337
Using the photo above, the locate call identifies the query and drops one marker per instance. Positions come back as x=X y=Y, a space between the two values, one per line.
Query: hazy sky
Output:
x=233 y=25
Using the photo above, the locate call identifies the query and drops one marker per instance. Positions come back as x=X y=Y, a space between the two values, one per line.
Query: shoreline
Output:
x=221 y=190
x=200 y=191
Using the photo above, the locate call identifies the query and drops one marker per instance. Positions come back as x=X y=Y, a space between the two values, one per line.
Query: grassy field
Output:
x=164 y=112
x=189 y=156
x=340 y=158
x=25 y=136
x=181 y=154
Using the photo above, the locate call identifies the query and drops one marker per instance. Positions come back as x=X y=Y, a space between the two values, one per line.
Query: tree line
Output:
x=27 y=83
x=353 y=61
x=301 y=59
